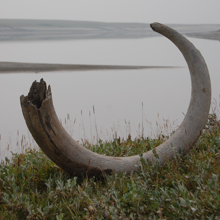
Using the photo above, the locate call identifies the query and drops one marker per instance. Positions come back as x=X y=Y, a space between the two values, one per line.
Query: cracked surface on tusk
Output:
x=45 y=127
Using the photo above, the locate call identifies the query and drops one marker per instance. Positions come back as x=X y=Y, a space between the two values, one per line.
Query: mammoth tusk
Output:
x=45 y=127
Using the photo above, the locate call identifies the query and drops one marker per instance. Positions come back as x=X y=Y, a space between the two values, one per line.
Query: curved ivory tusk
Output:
x=44 y=125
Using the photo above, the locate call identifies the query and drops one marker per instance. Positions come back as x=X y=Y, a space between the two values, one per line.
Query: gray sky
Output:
x=147 y=11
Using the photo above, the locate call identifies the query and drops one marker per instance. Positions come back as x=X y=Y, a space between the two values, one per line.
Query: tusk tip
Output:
x=157 y=26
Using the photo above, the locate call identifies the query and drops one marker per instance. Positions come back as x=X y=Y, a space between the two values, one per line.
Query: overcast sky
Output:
x=147 y=11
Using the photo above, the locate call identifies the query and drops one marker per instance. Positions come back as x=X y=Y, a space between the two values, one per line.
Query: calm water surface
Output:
x=116 y=95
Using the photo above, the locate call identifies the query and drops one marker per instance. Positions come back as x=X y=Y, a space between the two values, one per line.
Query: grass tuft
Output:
x=33 y=187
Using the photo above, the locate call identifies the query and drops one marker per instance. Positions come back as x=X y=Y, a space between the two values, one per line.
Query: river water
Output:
x=117 y=96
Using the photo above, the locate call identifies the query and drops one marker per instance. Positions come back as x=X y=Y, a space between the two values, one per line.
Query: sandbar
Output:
x=15 y=67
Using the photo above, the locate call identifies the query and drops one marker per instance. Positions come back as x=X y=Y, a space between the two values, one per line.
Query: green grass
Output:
x=33 y=187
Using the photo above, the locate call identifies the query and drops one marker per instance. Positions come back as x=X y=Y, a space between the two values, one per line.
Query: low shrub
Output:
x=33 y=187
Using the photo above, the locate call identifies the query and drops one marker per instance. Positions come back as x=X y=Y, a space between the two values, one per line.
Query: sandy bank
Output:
x=13 y=67
x=48 y=30
x=212 y=35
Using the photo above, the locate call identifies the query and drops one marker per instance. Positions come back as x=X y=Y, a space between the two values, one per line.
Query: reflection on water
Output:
x=116 y=95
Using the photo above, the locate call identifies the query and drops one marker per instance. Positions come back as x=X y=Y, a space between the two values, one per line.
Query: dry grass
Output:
x=33 y=187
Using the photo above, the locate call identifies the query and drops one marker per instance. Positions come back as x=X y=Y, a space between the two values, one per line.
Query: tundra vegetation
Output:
x=163 y=183
x=33 y=187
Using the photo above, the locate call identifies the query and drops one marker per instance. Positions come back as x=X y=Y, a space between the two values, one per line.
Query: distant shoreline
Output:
x=48 y=30
x=212 y=35
x=14 y=67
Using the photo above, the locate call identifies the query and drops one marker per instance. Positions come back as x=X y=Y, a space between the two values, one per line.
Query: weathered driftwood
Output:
x=44 y=125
